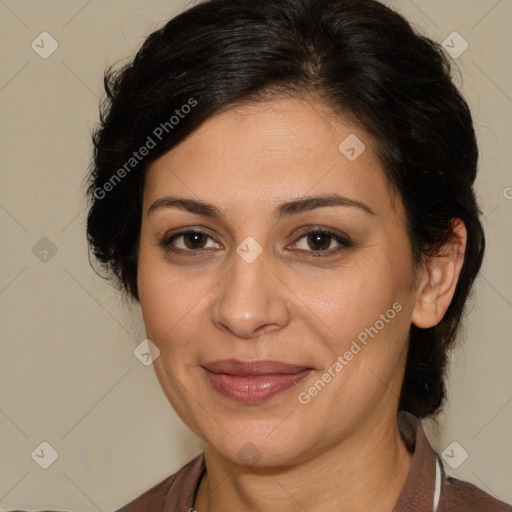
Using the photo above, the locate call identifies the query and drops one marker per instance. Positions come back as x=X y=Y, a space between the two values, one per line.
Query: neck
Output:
x=364 y=472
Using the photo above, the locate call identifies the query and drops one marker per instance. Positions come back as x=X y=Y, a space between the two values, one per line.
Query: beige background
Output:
x=68 y=375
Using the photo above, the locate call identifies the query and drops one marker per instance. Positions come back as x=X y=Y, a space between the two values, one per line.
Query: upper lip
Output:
x=248 y=368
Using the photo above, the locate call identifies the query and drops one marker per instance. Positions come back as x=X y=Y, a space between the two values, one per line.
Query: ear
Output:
x=439 y=278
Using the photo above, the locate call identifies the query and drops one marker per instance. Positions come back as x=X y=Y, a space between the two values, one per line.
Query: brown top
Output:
x=422 y=492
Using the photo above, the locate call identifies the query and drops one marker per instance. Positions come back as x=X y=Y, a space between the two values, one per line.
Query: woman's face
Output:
x=271 y=274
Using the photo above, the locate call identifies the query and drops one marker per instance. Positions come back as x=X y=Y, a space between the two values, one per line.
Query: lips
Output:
x=253 y=381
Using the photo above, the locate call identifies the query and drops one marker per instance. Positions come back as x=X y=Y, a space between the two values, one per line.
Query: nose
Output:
x=251 y=300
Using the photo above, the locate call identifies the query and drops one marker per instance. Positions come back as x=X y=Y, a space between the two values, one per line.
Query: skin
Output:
x=343 y=447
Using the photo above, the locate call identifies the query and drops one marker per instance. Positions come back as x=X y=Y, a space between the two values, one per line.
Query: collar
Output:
x=422 y=489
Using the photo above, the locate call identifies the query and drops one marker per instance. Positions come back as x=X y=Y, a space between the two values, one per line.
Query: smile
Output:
x=253 y=382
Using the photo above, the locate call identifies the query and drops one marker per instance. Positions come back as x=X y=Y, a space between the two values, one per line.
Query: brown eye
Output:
x=321 y=243
x=194 y=240
x=188 y=242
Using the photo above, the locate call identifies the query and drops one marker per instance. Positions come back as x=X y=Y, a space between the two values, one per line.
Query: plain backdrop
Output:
x=68 y=374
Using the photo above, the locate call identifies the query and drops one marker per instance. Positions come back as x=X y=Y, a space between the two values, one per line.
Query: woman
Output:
x=286 y=187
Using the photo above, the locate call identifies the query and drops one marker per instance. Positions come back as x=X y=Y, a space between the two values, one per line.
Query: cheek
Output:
x=368 y=327
x=362 y=361
x=356 y=299
x=367 y=313
x=164 y=300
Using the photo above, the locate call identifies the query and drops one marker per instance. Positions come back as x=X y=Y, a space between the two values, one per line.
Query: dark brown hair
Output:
x=365 y=61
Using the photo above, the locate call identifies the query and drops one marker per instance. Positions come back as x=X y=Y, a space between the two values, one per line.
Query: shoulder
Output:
x=156 y=498
x=460 y=495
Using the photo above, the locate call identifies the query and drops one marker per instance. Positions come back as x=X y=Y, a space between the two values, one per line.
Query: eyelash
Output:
x=344 y=243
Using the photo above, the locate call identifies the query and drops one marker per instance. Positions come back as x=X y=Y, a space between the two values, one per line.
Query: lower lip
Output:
x=254 y=388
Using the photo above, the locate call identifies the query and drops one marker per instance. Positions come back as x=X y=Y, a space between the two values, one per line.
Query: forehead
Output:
x=257 y=154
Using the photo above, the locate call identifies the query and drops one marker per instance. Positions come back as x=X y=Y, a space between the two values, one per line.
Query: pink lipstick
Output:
x=253 y=381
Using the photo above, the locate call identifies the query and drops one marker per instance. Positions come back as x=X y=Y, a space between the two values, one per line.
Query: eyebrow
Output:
x=287 y=209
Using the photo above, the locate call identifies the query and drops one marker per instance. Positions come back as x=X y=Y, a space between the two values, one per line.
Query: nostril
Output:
x=264 y=329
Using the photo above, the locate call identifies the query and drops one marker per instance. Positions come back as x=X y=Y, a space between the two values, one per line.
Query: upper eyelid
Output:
x=168 y=238
x=341 y=239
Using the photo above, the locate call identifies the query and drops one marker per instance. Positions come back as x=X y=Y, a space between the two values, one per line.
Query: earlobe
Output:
x=439 y=279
